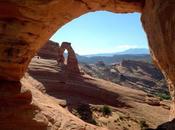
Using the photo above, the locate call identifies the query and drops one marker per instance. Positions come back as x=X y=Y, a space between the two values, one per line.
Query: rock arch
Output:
x=26 y=25
x=72 y=63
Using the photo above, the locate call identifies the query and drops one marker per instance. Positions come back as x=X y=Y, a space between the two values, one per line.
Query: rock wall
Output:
x=158 y=20
x=49 y=50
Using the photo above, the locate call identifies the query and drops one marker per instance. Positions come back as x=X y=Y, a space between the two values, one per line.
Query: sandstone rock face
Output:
x=72 y=63
x=49 y=50
x=24 y=107
x=159 y=23
x=154 y=101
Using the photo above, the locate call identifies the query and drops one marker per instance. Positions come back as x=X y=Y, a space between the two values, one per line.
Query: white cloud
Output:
x=125 y=46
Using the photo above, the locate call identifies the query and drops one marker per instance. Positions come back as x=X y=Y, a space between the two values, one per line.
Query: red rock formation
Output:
x=24 y=107
x=25 y=25
x=72 y=63
x=159 y=23
x=49 y=50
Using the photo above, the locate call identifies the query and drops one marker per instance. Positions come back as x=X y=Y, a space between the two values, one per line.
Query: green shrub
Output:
x=165 y=96
x=93 y=121
x=84 y=112
x=106 y=110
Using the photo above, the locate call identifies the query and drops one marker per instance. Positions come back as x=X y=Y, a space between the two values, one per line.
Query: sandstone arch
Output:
x=72 y=63
x=26 y=25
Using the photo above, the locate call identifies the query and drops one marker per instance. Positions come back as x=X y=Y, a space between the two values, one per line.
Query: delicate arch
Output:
x=72 y=63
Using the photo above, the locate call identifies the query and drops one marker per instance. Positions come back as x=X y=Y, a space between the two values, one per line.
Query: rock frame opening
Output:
x=26 y=25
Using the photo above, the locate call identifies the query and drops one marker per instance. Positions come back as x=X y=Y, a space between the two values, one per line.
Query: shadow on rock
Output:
x=170 y=125
x=16 y=110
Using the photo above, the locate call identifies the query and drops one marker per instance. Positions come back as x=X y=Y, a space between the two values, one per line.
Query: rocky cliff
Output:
x=49 y=50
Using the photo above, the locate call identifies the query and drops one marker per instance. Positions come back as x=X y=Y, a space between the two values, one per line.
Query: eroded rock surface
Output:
x=24 y=107
x=49 y=50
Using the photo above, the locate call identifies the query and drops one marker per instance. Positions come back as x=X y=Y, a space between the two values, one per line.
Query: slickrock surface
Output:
x=24 y=107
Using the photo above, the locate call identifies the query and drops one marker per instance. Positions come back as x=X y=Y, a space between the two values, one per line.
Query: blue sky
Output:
x=103 y=32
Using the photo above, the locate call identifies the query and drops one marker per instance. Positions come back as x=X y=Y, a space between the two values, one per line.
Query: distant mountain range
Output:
x=114 y=59
x=132 y=51
x=138 y=54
